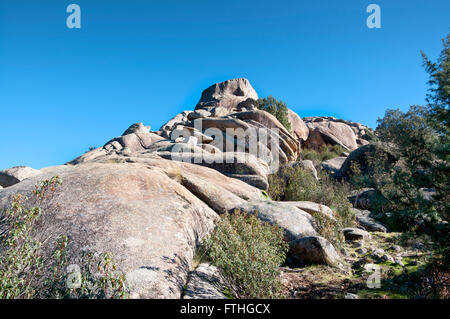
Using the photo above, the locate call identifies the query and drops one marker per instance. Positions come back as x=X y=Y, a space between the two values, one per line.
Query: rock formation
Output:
x=332 y=131
x=150 y=197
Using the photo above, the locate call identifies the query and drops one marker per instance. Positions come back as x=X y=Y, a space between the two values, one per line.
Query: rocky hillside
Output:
x=150 y=197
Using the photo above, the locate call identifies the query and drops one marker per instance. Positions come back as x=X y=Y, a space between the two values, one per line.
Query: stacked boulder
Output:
x=226 y=132
x=327 y=130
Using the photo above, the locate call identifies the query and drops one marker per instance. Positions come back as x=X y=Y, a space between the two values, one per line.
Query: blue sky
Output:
x=63 y=90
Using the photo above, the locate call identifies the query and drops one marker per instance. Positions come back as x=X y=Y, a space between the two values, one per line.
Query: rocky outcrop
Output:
x=333 y=165
x=243 y=142
x=362 y=157
x=178 y=119
x=14 y=175
x=150 y=197
x=328 y=130
x=299 y=129
x=295 y=222
x=324 y=132
x=313 y=208
x=229 y=96
x=147 y=220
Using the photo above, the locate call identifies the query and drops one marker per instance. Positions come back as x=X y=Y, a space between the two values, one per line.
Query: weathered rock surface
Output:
x=295 y=222
x=355 y=234
x=327 y=132
x=313 y=208
x=178 y=119
x=230 y=95
x=140 y=210
x=216 y=197
x=149 y=222
x=333 y=165
x=205 y=282
x=314 y=249
x=14 y=175
x=361 y=157
x=299 y=129
x=367 y=222
x=363 y=134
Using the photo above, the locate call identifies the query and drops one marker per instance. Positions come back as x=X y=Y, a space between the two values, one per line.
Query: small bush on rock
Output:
x=297 y=184
x=277 y=109
x=248 y=252
x=24 y=268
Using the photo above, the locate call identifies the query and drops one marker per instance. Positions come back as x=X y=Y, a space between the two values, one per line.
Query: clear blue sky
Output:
x=63 y=90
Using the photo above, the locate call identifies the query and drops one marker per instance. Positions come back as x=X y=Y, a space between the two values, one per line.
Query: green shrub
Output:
x=20 y=260
x=277 y=109
x=297 y=184
x=97 y=278
x=248 y=253
x=24 y=270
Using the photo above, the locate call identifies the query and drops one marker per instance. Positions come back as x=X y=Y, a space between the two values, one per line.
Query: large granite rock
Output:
x=331 y=131
x=140 y=210
x=313 y=208
x=231 y=95
x=205 y=282
x=314 y=250
x=149 y=222
x=299 y=129
x=362 y=157
x=355 y=234
x=322 y=132
x=295 y=222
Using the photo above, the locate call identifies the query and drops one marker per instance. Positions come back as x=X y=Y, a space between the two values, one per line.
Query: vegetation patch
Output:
x=23 y=268
x=248 y=252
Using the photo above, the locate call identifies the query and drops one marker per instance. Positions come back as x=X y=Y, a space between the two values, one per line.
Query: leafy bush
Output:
x=20 y=259
x=24 y=270
x=97 y=278
x=277 y=109
x=297 y=184
x=248 y=252
x=414 y=194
